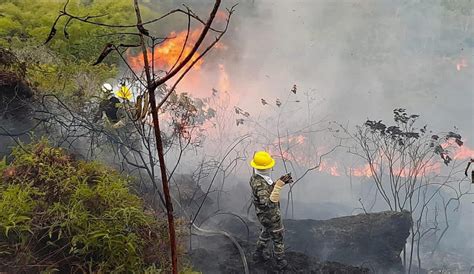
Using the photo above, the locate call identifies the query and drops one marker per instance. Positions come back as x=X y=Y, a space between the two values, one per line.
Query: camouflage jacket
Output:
x=268 y=212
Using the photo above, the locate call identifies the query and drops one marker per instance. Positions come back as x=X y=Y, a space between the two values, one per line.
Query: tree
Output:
x=405 y=163
x=153 y=78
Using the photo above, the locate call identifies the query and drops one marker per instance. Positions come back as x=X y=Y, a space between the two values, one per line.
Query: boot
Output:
x=261 y=255
x=281 y=263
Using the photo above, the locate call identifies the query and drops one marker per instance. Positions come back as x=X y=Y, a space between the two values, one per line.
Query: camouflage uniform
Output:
x=269 y=216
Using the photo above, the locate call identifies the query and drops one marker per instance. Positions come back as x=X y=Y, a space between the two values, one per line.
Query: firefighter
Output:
x=113 y=105
x=266 y=199
x=110 y=106
x=117 y=120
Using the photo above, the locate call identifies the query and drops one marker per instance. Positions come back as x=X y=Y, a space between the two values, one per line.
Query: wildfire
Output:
x=291 y=148
x=203 y=78
x=331 y=169
x=458 y=152
x=464 y=153
x=364 y=171
x=170 y=52
x=432 y=167
x=295 y=149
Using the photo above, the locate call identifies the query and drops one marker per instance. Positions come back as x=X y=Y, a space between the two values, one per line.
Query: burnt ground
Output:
x=220 y=256
x=374 y=240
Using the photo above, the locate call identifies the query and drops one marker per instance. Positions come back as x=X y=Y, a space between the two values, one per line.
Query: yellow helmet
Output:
x=125 y=93
x=262 y=160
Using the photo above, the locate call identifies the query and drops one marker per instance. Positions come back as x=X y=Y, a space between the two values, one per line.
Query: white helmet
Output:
x=106 y=87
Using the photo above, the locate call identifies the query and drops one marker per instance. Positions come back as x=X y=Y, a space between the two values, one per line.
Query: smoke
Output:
x=354 y=60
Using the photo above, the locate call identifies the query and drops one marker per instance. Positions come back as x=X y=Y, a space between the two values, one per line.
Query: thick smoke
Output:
x=356 y=60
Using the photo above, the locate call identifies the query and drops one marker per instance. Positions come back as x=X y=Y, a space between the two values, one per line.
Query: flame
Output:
x=364 y=171
x=461 y=64
x=294 y=149
x=290 y=148
x=331 y=169
x=166 y=55
x=430 y=168
x=463 y=153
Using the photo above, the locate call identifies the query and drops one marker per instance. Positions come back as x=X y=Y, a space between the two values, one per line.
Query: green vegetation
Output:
x=25 y=25
x=58 y=214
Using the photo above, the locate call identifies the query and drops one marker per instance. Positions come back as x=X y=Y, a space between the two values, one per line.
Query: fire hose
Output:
x=206 y=232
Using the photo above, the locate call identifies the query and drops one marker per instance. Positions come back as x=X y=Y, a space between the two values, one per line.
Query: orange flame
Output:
x=171 y=52
x=166 y=55
x=334 y=168
x=429 y=168
x=331 y=169
x=364 y=171
x=463 y=153
x=284 y=148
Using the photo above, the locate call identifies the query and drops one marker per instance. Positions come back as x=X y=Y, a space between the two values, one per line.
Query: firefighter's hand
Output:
x=287 y=179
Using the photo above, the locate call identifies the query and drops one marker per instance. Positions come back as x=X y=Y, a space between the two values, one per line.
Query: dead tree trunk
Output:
x=159 y=144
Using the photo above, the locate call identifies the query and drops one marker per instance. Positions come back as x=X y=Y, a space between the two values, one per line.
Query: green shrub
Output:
x=58 y=214
x=25 y=25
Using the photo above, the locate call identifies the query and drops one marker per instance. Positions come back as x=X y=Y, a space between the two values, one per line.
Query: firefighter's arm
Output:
x=122 y=115
x=99 y=113
x=275 y=195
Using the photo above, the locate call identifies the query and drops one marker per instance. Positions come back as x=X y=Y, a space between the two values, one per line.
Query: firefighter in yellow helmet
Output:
x=266 y=199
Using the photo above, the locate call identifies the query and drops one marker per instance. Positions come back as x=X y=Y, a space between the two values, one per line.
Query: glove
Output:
x=275 y=195
x=287 y=179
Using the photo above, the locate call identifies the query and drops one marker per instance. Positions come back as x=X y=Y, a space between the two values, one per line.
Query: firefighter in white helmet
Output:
x=111 y=106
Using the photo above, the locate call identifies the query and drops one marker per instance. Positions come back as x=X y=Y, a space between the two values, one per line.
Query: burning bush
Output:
x=58 y=214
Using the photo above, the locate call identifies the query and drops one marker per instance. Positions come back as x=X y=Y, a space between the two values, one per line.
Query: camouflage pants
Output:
x=273 y=232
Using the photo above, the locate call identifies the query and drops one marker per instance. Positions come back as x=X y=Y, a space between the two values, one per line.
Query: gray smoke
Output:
x=355 y=60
